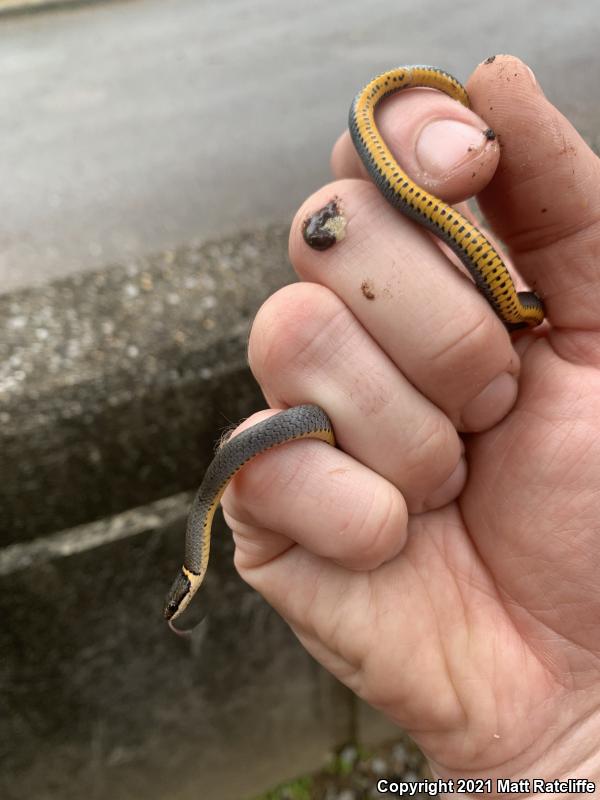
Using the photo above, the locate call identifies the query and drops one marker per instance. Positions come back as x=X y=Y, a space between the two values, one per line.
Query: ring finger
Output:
x=307 y=346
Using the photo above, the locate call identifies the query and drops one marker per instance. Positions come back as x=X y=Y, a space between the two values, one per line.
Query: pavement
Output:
x=130 y=128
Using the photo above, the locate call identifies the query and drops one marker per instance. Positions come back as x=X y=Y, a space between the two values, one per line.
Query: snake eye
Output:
x=170 y=609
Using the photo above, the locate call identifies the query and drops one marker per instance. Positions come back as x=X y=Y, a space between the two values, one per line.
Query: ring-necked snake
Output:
x=515 y=309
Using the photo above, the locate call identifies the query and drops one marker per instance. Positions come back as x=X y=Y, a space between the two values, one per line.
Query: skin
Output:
x=459 y=596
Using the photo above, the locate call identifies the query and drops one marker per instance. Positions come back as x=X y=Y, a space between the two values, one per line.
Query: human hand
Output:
x=464 y=603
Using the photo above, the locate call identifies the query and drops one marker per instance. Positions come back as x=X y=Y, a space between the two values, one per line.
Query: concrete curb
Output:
x=114 y=385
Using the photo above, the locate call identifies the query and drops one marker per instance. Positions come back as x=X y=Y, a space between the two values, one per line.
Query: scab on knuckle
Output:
x=297 y=247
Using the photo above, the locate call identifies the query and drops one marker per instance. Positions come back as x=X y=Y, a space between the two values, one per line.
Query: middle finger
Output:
x=421 y=310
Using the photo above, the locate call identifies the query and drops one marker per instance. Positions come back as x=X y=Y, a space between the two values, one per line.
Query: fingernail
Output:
x=445 y=143
x=534 y=80
x=490 y=405
x=531 y=75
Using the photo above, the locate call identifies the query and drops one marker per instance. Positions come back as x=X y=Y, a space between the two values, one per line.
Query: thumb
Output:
x=441 y=144
x=544 y=199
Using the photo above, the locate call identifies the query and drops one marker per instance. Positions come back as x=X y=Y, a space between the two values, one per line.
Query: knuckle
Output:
x=293 y=331
x=432 y=453
x=473 y=335
x=381 y=530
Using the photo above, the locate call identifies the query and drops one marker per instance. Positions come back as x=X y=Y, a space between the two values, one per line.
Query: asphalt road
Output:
x=132 y=127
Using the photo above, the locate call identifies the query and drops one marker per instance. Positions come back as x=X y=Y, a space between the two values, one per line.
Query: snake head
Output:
x=179 y=596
